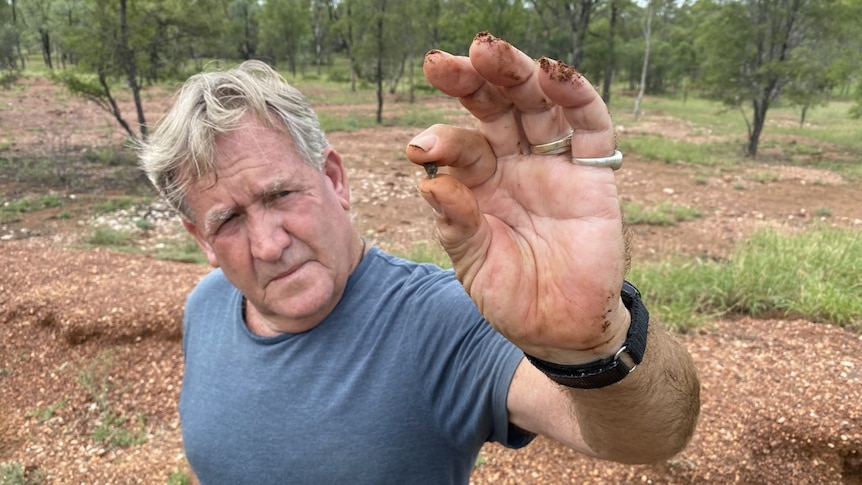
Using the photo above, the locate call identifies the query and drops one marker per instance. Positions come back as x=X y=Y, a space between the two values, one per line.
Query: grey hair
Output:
x=182 y=149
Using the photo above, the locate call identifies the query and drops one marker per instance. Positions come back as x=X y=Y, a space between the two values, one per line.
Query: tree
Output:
x=243 y=21
x=752 y=50
x=10 y=37
x=8 y=40
x=572 y=17
x=121 y=41
x=607 y=79
x=342 y=20
x=380 y=44
x=647 y=39
x=319 y=31
x=285 y=29
x=38 y=17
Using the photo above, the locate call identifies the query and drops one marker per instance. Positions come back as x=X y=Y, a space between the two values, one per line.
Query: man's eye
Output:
x=283 y=193
x=225 y=222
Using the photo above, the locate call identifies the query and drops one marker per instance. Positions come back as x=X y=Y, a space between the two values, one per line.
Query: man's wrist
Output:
x=609 y=370
x=616 y=325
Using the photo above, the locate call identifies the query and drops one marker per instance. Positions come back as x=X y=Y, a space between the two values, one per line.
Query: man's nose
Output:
x=268 y=237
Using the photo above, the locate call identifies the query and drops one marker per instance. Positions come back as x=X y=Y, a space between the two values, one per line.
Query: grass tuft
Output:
x=812 y=275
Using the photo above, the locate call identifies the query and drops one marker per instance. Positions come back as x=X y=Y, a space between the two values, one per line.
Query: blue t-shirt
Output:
x=402 y=383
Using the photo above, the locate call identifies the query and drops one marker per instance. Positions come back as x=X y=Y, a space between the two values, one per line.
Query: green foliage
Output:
x=43 y=414
x=113 y=205
x=107 y=237
x=9 y=38
x=96 y=379
x=829 y=140
x=661 y=149
x=812 y=275
x=12 y=473
x=423 y=252
x=179 y=477
x=109 y=156
x=111 y=431
x=284 y=25
x=765 y=177
x=183 y=250
x=11 y=211
x=662 y=214
x=856 y=110
x=110 y=428
x=753 y=53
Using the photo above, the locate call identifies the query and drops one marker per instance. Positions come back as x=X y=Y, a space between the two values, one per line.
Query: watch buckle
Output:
x=628 y=364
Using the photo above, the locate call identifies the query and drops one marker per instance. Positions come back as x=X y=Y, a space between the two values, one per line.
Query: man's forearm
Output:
x=648 y=416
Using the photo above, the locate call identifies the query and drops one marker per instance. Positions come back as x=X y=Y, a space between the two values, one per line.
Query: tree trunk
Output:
x=45 y=38
x=17 y=37
x=412 y=61
x=381 y=48
x=129 y=64
x=760 y=108
x=350 y=54
x=609 y=62
x=318 y=32
x=645 y=68
x=112 y=103
x=579 y=22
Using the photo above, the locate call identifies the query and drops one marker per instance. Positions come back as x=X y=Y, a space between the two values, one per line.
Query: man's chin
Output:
x=295 y=312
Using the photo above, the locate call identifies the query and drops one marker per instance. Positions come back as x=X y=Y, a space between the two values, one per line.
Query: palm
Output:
x=535 y=239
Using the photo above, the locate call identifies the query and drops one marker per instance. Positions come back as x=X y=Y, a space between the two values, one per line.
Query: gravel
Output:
x=781 y=398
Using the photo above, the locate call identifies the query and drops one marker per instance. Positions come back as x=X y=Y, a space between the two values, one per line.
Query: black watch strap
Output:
x=613 y=369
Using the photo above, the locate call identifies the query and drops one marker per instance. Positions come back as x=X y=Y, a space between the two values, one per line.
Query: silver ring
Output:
x=562 y=145
x=614 y=161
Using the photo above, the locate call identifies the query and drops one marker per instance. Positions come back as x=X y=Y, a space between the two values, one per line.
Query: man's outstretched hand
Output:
x=537 y=240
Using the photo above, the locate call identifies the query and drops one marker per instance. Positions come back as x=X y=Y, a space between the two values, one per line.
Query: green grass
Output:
x=662 y=214
x=111 y=431
x=652 y=147
x=110 y=428
x=424 y=252
x=45 y=413
x=414 y=115
x=812 y=275
x=10 y=211
x=113 y=205
x=179 y=477
x=12 y=473
x=107 y=237
x=184 y=250
x=829 y=139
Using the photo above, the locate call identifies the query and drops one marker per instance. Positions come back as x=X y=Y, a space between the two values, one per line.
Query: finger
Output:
x=498 y=120
x=516 y=73
x=583 y=108
x=461 y=229
x=466 y=152
x=553 y=97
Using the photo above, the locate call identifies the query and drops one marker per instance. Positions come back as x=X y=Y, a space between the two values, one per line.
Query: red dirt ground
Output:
x=83 y=331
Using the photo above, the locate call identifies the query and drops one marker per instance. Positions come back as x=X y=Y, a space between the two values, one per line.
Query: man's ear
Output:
x=333 y=168
x=202 y=243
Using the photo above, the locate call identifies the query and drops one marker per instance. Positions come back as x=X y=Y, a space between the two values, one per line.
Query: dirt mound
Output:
x=94 y=294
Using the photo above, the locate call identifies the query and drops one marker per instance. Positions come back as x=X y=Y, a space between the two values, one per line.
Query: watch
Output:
x=612 y=369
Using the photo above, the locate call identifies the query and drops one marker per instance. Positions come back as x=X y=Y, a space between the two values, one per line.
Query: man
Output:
x=310 y=358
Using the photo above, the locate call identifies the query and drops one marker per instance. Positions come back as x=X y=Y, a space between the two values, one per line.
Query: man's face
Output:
x=277 y=227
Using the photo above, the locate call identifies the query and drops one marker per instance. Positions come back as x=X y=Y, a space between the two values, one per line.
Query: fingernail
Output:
x=432 y=201
x=424 y=142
